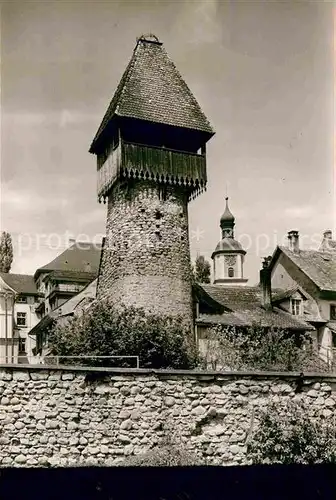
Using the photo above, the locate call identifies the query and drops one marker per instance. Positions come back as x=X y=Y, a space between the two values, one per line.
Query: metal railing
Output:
x=56 y=360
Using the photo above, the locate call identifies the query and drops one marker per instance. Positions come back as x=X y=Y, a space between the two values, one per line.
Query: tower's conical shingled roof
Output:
x=152 y=89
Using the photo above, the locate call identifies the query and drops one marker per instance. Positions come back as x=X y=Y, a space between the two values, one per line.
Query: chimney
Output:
x=293 y=240
x=265 y=282
x=71 y=241
x=327 y=235
x=327 y=239
x=87 y=267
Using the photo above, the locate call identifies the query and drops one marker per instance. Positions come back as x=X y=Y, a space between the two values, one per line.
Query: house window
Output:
x=333 y=311
x=333 y=338
x=21 y=319
x=21 y=300
x=22 y=344
x=231 y=272
x=296 y=307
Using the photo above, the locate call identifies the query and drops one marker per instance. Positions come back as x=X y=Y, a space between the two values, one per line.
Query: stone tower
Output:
x=151 y=160
x=228 y=257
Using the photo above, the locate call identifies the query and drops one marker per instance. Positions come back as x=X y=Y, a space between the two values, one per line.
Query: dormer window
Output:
x=231 y=272
x=21 y=300
x=333 y=312
x=296 y=307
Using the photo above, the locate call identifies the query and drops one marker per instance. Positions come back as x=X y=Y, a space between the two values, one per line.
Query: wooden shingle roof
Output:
x=152 y=89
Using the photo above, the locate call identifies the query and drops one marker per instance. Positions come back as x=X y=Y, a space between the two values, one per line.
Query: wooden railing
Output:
x=109 y=172
x=167 y=165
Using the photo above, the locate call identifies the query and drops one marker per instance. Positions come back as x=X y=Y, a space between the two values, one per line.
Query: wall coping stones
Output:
x=170 y=373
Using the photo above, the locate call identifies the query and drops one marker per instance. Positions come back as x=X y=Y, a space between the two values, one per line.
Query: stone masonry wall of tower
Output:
x=146 y=259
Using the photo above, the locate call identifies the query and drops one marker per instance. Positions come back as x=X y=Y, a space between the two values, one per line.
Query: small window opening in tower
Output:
x=231 y=272
x=158 y=214
x=158 y=235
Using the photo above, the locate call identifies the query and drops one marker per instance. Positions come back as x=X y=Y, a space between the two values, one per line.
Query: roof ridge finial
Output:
x=148 y=37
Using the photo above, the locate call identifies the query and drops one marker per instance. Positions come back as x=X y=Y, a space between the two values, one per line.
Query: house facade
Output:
x=307 y=283
x=18 y=299
x=61 y=315
x=241 y=308
x=66 y=275
x=28 y=302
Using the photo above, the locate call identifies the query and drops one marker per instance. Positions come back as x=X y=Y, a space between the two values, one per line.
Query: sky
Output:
x=263 y=73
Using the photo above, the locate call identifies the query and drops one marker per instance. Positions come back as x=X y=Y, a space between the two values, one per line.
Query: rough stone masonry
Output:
x=87 y=416
x=146 y=260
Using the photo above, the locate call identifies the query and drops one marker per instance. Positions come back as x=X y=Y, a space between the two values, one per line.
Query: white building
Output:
x=18 y=299
x=228 y=257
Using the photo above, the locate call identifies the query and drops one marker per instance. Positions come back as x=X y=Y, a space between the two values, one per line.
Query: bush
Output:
x=259 y=349
x=169 y=452
x=102 y=330
x=292 y=436
x=163 y=456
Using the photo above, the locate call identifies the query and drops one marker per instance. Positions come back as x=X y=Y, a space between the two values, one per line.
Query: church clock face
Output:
x=230 y=260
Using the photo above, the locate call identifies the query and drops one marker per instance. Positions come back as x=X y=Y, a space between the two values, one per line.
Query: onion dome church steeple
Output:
x=227 y=222
x=228 y=257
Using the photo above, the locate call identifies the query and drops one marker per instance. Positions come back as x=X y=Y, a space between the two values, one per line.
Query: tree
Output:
x=202 y=270
x=292 y=435
x=6 y=252
x=103 y=330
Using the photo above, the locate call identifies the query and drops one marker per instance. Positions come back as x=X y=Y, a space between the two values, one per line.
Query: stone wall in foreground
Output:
x=74 y=416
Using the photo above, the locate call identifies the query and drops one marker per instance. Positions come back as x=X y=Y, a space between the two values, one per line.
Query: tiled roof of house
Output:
x=320 y=267
x=80 y=257
x=258 y=317
x=21 y=283
x=234 y=297
x=152 y=89
x=45 y=322
x=246 y=309
x=280 y=295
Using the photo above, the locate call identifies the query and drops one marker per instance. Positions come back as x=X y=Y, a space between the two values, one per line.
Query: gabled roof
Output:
x=152 y=89
x=281 y=295
x=244 y=308
x=22 y=283
x=80 y=257
x=319 y=267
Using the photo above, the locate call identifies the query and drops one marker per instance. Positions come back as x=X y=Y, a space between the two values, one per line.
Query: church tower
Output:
x=228 y=257
x=151 y=160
